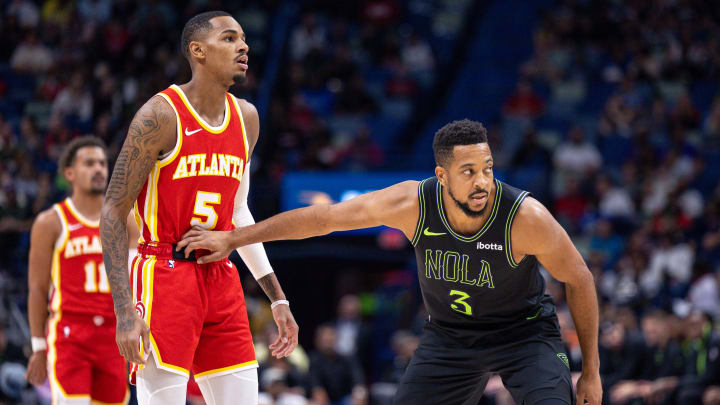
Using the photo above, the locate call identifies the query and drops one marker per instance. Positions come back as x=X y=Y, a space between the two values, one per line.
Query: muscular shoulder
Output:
x=404 y=194
x=155 y=120
x=398 y=206
x=47 y=224
x=534 y=229
x=251 y=120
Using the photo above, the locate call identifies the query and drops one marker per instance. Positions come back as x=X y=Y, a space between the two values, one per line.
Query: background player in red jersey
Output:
x=184 y=163
x=66 y=261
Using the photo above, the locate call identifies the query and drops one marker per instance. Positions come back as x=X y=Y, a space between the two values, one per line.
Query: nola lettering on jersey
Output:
x=489 y=246
x=81 y=245
x=216 y=164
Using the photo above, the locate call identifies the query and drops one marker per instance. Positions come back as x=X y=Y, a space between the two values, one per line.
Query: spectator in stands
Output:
x=621 y=356
x=335 y=379
x=577 y=156
x=702 y=359
x=662 y=365
x=31 y=56
x=74 y=101
x=524 y=102
x=307 y=37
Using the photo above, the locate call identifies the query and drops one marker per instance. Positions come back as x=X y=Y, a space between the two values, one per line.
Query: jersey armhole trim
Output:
x=64 y=233
x=242 y=125
x=508 y=226
x=170 y=156
x=421 y=217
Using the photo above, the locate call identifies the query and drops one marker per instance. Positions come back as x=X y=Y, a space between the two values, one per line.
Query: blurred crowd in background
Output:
x=612 y=120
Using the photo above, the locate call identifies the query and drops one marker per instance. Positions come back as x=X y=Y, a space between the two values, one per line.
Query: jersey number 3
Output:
x=460 y=304
x=204 y=208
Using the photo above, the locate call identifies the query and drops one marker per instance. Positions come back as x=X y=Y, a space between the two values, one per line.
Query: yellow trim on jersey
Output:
x=179 y=138
x=164 y=365
x=242 y=124
x=226 y=370
x=138 y=222
x=80 y=217
x=198 y=118
x=154 y=201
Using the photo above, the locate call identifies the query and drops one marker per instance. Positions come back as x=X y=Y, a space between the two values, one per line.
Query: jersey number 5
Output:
x=461 y=306
x=203 y=208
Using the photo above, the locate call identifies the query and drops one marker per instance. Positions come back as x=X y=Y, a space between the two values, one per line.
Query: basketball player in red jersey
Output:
x=66 y=264
x=185 y=162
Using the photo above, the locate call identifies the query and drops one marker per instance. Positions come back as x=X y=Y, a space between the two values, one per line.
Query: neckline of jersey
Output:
x=486 y=225
x=80 y=217
x=203 y=123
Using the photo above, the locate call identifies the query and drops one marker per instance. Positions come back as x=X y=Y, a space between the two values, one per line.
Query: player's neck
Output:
x=461 y=222
x=89 y=205
x=207 y=97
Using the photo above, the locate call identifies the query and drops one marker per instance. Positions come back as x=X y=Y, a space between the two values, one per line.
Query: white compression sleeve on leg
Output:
x=240 y=387
x=253 y=255
x=160 y=387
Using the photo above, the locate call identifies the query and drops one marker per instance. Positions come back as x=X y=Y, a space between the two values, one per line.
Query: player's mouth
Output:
x=242 y=62
x=479 y=198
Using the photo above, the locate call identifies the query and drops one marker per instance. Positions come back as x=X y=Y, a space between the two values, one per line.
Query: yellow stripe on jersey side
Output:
x=179 y=137
x=138 y=222
x=56 y=316
x=200 y=120
x=242 y=124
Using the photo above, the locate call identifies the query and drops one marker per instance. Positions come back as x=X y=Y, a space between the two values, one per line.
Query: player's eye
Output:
x=228 y=39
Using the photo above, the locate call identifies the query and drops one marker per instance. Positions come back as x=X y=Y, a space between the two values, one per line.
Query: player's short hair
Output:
x=68 y=156
x=463 y=132
x=196 y=26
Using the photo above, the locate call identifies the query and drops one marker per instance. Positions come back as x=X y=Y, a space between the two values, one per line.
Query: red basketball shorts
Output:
x=196 y=314
x=83 y=359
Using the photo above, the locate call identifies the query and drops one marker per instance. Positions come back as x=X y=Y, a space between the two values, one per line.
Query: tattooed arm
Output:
x=152 y=132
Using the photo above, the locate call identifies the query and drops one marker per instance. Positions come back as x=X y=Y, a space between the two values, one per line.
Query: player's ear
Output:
x=69 y=174
x=196 y=50
x=441 y=174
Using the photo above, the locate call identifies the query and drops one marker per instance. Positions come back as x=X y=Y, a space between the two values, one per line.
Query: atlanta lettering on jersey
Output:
x=81 y=245
x=216 y=164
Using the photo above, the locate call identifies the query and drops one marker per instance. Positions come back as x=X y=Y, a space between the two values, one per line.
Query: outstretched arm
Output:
x=152 y=132
x=396 y=206
x=536 y=232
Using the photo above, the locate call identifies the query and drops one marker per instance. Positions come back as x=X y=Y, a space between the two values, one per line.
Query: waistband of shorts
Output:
x=164 y=251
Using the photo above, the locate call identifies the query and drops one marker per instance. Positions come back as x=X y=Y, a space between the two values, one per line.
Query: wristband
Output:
x=38 y=344
x=279 y=302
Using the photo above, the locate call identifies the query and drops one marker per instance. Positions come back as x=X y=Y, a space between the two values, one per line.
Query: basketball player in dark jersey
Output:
x=479 y=243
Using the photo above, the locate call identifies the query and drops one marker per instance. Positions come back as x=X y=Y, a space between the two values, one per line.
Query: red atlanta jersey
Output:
x=79 y=282
x=196 y=183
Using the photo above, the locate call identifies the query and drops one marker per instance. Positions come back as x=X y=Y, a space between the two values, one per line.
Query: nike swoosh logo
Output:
x=188 y=133
x=427 y=232
x=74 y=227
x=229 y=264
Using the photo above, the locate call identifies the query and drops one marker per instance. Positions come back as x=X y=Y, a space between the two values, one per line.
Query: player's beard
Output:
x=97 y=190
x=240 y=79
x=465 y=207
